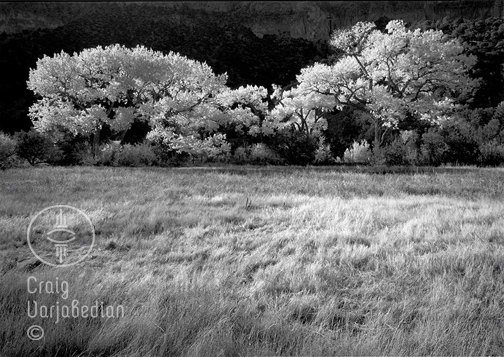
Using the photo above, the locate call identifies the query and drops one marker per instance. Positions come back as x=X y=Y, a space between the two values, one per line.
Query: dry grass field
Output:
x=247 y=262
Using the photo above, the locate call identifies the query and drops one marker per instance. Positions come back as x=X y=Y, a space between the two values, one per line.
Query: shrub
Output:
x=240 y=155
x=323 y=154
x=492 y=153
x=215 y=148
x=75 y=151
x=261 y=154
x=293 y=147
x=461 y=141
x=7 y=151
x=189 y=150
x=113 y=154
x=358 y=152
x=412 y=141
x=395 y=154
x=36 y=148
x=167 y=157
x=109 y=155
x=135 y=155
x=258 y=153
x=433 y=149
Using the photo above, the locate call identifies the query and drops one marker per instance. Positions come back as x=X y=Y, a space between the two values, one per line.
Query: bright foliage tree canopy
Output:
x=390 y=77
x=394 y=75
x=114 y=85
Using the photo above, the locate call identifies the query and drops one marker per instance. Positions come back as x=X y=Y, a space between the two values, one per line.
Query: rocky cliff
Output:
x=312 y=20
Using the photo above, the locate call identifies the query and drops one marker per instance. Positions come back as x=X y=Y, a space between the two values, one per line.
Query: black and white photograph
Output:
x=251 y=178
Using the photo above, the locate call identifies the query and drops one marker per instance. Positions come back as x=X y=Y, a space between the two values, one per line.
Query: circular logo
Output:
x=61 y=236
x=35 y=332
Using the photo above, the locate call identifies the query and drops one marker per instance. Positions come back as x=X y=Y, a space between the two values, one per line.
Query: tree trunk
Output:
x=96 y=143
x=123 y=135
x=377 y=141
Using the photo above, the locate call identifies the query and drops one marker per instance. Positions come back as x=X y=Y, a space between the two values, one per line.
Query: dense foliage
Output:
x=227 y=47
x=197 y=92
x=392 y=76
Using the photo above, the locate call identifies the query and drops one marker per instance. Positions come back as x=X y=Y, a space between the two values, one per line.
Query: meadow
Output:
x=264 y=262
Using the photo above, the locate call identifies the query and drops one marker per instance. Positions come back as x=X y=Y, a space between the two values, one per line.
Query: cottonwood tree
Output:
x=248 y=110
x=114 y=85
x=394 y=75
x=302 y=110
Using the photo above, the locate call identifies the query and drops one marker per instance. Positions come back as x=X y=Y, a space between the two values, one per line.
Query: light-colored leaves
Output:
x=395 y=74
x=114 y=85
x=302 y=109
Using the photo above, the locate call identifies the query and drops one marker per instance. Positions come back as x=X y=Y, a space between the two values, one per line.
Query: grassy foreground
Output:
x=264 y=262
